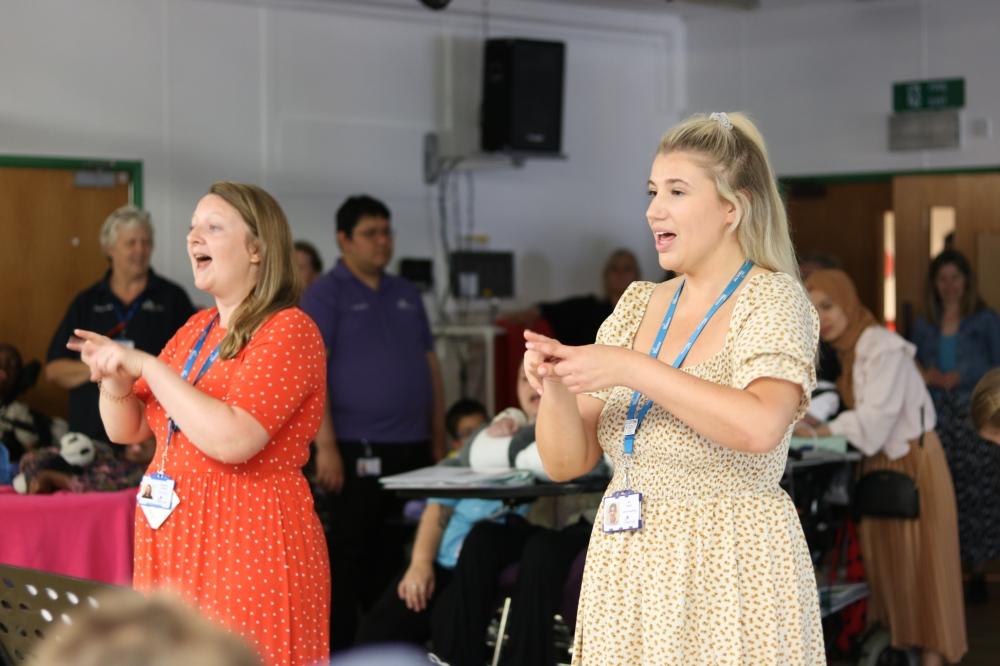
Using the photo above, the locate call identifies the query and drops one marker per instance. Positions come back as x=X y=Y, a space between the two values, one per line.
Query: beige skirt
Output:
x=913 y=566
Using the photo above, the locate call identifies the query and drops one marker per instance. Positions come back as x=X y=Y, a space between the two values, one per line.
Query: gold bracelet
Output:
x=111 y=396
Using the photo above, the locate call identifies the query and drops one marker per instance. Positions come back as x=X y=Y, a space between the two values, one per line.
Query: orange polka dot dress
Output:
x=244 y=544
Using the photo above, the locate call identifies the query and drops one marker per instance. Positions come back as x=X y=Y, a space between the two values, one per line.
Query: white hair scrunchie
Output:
x=723 y=119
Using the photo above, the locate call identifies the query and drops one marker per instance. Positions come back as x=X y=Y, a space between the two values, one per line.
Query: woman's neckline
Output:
x=729 y=329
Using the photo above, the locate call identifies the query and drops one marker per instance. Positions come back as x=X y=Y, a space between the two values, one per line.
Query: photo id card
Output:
x=369 y=467
x=622 y=511
x=156 y=490
x=155 y=515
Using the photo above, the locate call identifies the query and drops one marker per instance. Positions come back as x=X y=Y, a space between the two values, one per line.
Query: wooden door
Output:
x=977 y=231
x=843 y=220
x=976 y=201
x=49 y=251
x=988 y=262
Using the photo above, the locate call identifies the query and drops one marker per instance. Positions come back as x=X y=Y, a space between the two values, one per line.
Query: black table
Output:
x=514 y=493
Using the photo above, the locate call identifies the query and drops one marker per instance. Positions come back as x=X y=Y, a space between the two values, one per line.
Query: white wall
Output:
x=316 y=100
x=818 y=78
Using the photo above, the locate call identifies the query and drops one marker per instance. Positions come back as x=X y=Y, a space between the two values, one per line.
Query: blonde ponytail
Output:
x=736 y=158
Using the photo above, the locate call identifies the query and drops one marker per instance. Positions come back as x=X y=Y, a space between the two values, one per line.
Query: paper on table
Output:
x=834 y=444
x=443 y=476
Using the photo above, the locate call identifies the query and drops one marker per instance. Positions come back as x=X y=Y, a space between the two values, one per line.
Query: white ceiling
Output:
x=703 y=8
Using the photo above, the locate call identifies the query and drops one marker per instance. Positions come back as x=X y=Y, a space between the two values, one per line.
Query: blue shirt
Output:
x=977 y=346
x=6 y=471
x=947 y=356
x=377 y=340
x=467 y=512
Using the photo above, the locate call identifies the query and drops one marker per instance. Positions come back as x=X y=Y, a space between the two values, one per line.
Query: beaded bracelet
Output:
x=111 y=396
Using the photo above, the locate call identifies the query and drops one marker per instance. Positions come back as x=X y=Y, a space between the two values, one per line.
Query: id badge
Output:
x=622 y=512
x=157 y=491
x=156 y=516
x=370 y=466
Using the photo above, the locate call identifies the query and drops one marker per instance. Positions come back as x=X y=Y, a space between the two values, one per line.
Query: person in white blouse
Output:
x=913 y=565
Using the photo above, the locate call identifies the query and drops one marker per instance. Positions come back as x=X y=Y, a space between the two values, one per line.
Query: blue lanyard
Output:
x=124 y=318
x=127 y=316
x=634 y=422
x=192 y=357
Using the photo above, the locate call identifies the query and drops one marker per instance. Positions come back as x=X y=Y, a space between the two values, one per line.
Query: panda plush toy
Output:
x=76 y=451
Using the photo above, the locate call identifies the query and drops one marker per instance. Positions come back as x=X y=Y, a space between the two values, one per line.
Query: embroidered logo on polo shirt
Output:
x=404 y=304
x=104 y=308
x=358 y=307
x=150 y=306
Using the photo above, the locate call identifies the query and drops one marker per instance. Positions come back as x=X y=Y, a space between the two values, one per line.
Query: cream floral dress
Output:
x=720 y=573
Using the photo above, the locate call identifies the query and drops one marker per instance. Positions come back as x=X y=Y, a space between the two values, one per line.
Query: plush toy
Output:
x=76 y=451
x=16 y=417
x=22 y=429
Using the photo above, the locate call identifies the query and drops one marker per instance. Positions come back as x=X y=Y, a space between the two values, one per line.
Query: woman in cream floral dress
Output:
x=717 y=571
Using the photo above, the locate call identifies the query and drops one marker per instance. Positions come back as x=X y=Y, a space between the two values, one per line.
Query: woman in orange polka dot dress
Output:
x=234 y=400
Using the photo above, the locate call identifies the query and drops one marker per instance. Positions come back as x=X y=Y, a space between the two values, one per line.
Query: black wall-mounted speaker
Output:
x=522 y=96
x=435 y=4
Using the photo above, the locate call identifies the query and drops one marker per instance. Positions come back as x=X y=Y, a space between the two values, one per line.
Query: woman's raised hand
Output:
x=106 y=358
x=579 y=369
x=536 y=363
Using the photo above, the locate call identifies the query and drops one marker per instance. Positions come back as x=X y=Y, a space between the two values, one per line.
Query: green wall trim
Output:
x=132 y=167
x=883 y=176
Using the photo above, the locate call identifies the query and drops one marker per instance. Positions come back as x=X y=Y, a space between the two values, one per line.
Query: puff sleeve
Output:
x=776 y=335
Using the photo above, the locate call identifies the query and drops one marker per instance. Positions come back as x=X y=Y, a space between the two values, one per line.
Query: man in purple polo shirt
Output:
x=385 y=412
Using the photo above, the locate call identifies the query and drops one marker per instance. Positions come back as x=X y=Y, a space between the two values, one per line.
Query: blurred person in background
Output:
x=308 y=263
x=958 y=341
x=130 y=304
x=575 y=320
x=129 y=629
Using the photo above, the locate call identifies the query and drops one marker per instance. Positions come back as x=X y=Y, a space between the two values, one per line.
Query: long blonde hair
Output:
x=277 y=287
x=735 y=156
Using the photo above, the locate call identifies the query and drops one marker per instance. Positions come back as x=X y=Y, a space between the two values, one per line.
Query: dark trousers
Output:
x=462 y=614
x=390 y=621
x=538 y=593
x=365 y=536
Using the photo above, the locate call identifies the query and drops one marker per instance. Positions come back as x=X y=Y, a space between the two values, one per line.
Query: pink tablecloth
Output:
x=88 y=535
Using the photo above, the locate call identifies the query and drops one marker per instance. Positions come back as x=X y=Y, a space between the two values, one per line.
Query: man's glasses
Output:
x=370 y=234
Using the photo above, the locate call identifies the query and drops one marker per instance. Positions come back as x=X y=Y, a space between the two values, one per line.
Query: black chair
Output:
x=564 y=620
x=33 y=603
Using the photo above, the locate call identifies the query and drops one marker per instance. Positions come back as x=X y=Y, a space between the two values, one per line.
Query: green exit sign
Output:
x=928 y=95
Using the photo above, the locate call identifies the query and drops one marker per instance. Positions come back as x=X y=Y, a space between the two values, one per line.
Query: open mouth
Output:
x=202 y=260
x=664 y=239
